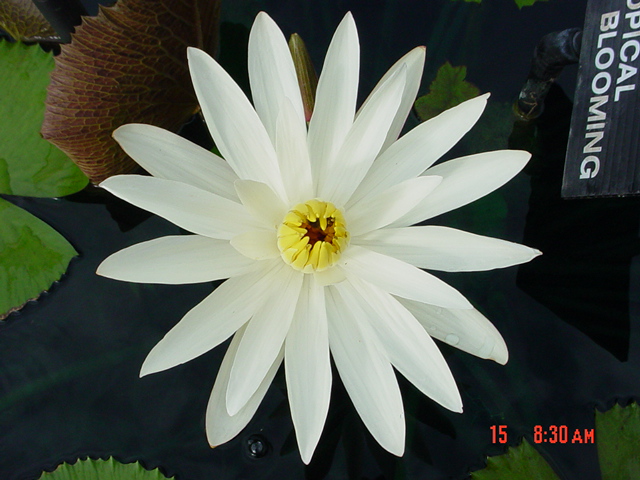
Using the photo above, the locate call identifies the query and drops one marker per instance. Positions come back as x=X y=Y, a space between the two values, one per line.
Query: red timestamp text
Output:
x=499 y=434
x=562 y=434
x=550 y=434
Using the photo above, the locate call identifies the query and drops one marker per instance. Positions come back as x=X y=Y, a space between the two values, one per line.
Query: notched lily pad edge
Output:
x=99 y=468
x=17 y=310
x=34 y=257
x=518 y=461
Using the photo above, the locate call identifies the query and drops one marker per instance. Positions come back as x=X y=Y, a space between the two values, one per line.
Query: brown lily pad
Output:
x=126 y=65
x=22 y=20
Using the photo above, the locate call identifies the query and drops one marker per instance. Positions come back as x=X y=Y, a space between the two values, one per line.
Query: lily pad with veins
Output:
x=127 y=65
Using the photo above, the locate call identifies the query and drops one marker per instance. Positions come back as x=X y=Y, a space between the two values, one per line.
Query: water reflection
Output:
x=588 y=244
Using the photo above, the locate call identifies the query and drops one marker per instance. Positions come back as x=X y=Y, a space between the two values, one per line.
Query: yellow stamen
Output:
x=312 y=236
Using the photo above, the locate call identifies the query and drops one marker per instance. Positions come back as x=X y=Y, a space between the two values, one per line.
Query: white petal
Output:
x=366 y=372
x=336 y=96
x=176 y=260
x=213 y=320
x=399 y=278
x=466 y=179
x=195 y=210
x=417 y=150
x=414 y=60
x=166 y=155
x=446 y=249
x=330 y=276
x=220 y=426
x=341 y=177
x=467 y=330
x=271 y=74
x=261 y=202
x=233 y=123
x=263 y=338
x=410 y=349
x=308 y=368
x=377 y=211
x=257 y=244
x=293 y=155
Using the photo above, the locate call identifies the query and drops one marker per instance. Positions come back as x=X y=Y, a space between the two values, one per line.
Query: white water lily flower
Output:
x=311 y=226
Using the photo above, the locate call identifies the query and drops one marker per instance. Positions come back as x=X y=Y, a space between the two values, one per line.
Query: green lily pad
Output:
x=109 y=469
x=618 y=440
x=29 y=165
x=519 y=463
x=32 y=256
x=447 y=90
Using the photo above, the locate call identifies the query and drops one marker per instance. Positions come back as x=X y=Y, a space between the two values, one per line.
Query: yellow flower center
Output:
x=312 y=235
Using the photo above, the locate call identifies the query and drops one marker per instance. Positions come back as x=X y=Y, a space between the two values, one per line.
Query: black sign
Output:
x=603 y=155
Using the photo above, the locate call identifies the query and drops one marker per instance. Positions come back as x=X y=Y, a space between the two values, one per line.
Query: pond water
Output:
x=69 y=362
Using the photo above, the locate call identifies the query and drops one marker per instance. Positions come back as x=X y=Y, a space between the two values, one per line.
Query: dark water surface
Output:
x=69 y=362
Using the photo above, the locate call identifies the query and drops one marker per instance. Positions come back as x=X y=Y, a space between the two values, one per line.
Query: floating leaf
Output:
x=127 y=65
x=519 y=463
x=32 y=256
x=447 y=90
x=109 y=469
x=23 y=21
x=29 y=165
x=618 y=439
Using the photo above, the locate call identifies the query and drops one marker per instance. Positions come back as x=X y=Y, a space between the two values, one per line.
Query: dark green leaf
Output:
x=448 y=90
x=618 y=439
x=519 y=463
x=29 y=165
x=32 y=256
